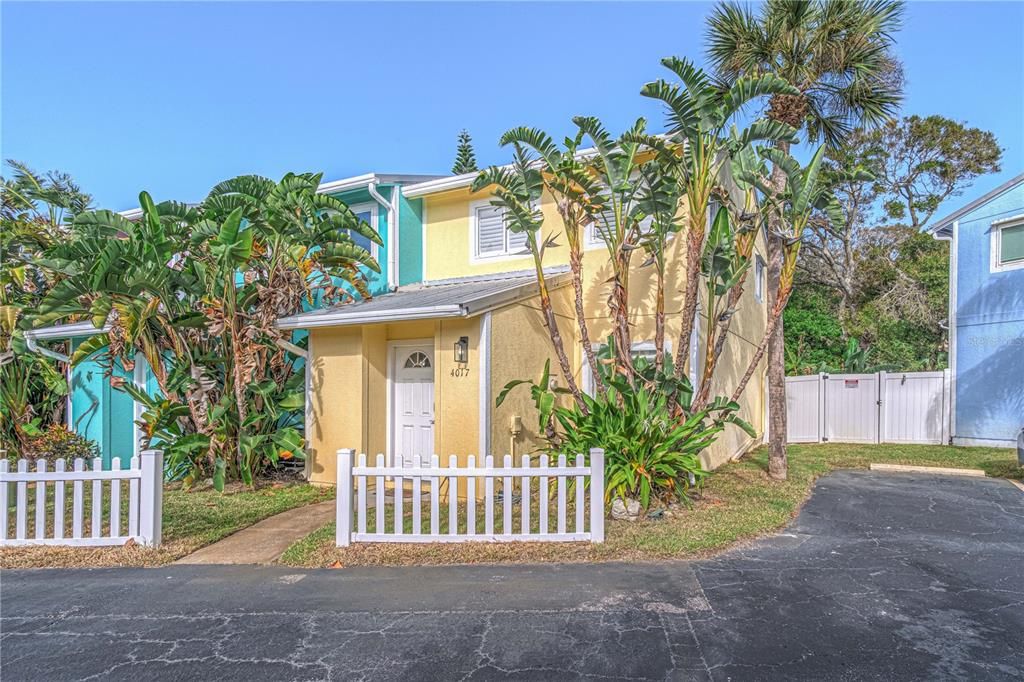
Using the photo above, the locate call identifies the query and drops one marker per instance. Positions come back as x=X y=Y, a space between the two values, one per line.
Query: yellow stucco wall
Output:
x=349 y=366
x=349 y=390
x=521 y=344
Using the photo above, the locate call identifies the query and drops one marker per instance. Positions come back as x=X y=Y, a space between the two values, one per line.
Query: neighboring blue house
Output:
x=107 y=416
x=986 y=320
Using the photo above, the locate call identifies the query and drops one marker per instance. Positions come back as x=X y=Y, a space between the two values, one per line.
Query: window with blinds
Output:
x=492 y=237
x=490 y=230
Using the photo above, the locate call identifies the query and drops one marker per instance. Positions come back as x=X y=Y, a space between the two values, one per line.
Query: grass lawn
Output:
x=738 y=502
x=191 y=520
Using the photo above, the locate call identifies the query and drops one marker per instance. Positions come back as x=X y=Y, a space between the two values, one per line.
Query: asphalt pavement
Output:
x=882 y=576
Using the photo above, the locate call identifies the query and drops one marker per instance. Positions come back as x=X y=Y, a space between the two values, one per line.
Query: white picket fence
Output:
x=144 y=500
x=502 y=485
x=887 y=407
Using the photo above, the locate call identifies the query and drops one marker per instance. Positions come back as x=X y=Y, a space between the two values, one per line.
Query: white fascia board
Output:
x=440 y=185
x=342 y=319
x=66 y=331
x=466 y=179
x=344 y=184
x=499 y=299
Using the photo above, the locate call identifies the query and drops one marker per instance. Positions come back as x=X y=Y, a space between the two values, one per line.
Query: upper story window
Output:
x=593 y=235
x=1008 y=244
x=713 y=206
x=367 y=213
x=490 y=235
x=759 y=277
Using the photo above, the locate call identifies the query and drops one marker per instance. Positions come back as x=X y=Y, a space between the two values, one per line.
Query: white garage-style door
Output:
x=412 y=402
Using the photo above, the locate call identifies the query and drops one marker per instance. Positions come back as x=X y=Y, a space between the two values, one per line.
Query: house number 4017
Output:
x=460 y=372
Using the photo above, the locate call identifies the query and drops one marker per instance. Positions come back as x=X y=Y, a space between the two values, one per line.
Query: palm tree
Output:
x=838 y=56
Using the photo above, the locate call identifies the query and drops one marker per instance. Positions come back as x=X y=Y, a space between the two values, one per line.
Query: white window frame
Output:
x=490 y=256
x=587 y=383
x=997 y=264
x=370 y=207
x=593 y=240
x=760 y=268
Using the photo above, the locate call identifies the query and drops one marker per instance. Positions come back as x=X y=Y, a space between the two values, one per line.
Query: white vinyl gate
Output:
x=887 y=407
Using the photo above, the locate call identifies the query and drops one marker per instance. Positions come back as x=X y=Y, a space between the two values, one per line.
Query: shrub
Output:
x=59 y=442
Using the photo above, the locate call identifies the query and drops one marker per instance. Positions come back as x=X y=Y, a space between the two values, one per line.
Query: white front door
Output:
x=412 y=409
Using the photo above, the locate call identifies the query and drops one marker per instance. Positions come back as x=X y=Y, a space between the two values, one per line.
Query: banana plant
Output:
x=576 y=196
x=699 y=113
x=807 y=192
x=517 y=192
x=196 y=290
x=661 y=192
x=616 y=199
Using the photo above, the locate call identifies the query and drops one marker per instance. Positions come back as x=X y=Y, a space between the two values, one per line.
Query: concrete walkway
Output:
x=266 y=541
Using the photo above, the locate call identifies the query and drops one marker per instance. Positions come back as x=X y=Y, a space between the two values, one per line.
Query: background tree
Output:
x=465 y=157
x=34 y=216
x=885 y=281
x=838 y=55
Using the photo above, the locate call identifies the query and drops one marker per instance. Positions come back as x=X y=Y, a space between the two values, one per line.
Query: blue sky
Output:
x=175 y=97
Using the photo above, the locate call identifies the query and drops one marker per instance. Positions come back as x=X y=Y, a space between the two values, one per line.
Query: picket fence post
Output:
x=151 y=498
x=597 y=494
x=343 y=520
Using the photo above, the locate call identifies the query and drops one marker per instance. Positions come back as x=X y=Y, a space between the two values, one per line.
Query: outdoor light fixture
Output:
x=462 y=350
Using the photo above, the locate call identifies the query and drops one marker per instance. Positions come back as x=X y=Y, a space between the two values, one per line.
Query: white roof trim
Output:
x=466 y=179
x=472 y=305
x=66 y=331
x=332 y=186
x=344 y=318
x=439 y=185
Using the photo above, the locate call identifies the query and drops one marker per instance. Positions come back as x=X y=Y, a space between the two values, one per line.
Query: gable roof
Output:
x=461 y=297
x=945 y=225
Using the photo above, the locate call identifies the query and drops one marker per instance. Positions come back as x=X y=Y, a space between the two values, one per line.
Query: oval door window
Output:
x=417 y=359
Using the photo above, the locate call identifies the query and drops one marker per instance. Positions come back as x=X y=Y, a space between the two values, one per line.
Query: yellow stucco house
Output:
x=416 y=371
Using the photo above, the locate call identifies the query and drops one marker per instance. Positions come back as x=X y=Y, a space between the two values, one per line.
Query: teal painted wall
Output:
x=100 y=412
x=410 y=241
x=378 y=281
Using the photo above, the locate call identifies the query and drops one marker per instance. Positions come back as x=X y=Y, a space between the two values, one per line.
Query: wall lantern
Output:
x=462 y=350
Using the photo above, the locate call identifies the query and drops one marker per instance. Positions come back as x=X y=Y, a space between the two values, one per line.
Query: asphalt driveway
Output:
x=882 y=576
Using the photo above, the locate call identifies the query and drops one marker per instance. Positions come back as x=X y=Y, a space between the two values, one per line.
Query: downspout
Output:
x=33 y=345
x=392 y=259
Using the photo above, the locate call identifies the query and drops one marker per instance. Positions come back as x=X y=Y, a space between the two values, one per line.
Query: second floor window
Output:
x=1008 y=244
x=491 y=236
x=368 y=214
x=759 y=279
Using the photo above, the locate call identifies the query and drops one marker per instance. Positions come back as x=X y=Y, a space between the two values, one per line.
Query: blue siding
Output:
x=990 y=330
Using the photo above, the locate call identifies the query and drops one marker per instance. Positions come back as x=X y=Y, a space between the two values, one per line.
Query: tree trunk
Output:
x=694 y=246
x=576 y=263
x=659 y=323
x=551 y=323
x=619 y=304
x=777 y=463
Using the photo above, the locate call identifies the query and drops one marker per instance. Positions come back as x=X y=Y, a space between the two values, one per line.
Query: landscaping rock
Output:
x=625 y=510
